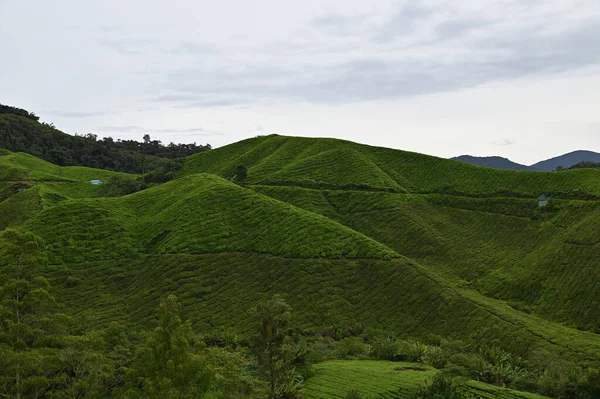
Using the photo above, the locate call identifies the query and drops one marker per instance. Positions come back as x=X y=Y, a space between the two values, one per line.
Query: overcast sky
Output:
x=520 y=79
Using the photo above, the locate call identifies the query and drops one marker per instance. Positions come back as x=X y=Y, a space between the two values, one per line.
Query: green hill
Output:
x=482 y=228
x=351 y=234
x=278 y=160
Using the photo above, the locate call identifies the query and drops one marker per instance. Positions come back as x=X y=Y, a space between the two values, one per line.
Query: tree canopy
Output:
x=20 y=131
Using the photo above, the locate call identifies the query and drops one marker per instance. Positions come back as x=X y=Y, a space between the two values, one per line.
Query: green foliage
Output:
x=234 y=375
x=337 y=164
x=166 y=366
x=439 y=388
x=586 y=164
x=276 y=358
x=166 y=172
x=354 y=394
x=385 y=348
x=372 y=246
x=434 y=356
x=27 y=323
x=335 y=379
x=416 y=351
x=117 y=186
x=496 y=366
x=20 y=131
x=354 y=347
x=396 y=380
x=7 y=109
x=241 y=174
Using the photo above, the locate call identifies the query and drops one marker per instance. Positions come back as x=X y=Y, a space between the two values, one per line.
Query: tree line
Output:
x=20 y=131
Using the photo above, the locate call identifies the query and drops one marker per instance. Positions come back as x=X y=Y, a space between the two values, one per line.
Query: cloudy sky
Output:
x=516 y=78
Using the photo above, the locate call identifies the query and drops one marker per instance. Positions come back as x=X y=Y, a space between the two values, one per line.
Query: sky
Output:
x=514 y=78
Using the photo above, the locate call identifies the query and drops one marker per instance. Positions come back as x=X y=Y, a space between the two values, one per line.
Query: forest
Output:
x=20 y=131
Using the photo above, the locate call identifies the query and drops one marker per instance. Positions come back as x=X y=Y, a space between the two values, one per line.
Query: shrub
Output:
x=241 y=174
x=164 y=173
x=385 y=348
x=494 y=355
x=496 y=366
x=439 y=388
x=72 y=281
x=353 y=347
x=118 y=186
x=434 y=356
x=415 y=351
x=322 y=349
x=354 y=394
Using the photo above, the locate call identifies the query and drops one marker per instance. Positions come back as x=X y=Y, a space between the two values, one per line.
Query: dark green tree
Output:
x=29 y=364
x=241 y=174
x=166 y=366
x=276 y=357
x=439 y=387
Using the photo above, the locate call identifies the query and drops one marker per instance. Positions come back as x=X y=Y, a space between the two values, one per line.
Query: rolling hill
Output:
x=484 y=230
x=352 y=234
x=295 y=161
x=358 y=238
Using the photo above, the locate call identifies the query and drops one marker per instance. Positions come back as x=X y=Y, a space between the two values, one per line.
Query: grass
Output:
x=389 y=380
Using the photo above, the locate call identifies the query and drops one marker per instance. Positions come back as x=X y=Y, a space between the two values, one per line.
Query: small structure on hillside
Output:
x=543 y=200
x=96 y=182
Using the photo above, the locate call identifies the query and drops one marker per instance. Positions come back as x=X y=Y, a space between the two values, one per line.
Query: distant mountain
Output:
x=567 y=160
x=492 y=162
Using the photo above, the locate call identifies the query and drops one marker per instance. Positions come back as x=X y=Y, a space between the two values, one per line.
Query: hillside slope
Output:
x=297 y=161
x=370 y=246
x=495 y=242
x=540 y=261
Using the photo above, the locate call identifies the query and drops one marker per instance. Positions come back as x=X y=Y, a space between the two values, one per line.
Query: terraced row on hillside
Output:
x=540 y=261
x=341 y=256
x=331 y=163
x=389 y=380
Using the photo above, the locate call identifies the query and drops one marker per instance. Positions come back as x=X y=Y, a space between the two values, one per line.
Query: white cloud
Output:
x=171 y=67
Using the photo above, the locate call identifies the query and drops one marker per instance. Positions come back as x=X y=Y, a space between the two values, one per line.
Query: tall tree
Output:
x=28 y=328
x=276 y=358
x=166 y=365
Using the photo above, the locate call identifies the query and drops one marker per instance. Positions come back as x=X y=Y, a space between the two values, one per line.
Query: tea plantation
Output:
x=389 y=380
x=354 y=238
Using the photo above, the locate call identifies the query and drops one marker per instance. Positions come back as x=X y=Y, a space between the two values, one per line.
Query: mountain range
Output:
x=565 y=161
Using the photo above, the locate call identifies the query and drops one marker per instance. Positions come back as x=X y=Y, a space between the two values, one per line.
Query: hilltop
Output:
x=337 y=164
